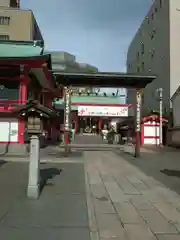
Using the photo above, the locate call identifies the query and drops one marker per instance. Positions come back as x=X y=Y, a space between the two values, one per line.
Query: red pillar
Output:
x=21 y=131
x=22 y=100
x=23 y=89
x=76 y=122
x=142 y=134
x=100 y=124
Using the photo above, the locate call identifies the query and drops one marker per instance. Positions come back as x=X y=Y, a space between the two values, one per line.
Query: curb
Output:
x=94 y=235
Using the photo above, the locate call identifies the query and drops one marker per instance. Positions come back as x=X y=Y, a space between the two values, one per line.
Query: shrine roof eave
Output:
x=104 y=79
x=34 y=105
x=32 y=62
x=18 y=59
x=130 y=120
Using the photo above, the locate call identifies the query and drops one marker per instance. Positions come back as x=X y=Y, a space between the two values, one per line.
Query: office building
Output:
x=66 y=62
x=17 y=24
x=155 y=49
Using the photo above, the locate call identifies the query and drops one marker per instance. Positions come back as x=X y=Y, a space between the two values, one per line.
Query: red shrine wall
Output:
x=11 y=127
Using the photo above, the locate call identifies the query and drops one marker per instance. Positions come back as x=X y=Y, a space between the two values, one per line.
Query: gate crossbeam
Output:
x=110 y=80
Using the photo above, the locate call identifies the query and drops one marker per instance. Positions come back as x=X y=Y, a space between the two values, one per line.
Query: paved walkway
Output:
x=129 y=199
x=88 y=139
x=125 y=198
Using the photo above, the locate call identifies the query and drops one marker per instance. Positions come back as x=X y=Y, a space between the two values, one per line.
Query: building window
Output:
x=156 y=9
x=160 y=3
x=137 y=55
x=152 y=54
x=138 y=69
x=4 y=37
x=142 y=48
x=152 y=16
x=142 y=66
x=153 y=34
x=4 y=20
x=14 y=3
x=9 y=90
x=147 y=19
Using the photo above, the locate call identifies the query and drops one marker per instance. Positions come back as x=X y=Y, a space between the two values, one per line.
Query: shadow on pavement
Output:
x=73 y=154
x=171 y=173
x=162 y=168
x=2 y=162
x=88 y=149
x=47 y=174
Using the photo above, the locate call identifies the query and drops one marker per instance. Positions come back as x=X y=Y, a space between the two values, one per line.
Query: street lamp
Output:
x=160 y=98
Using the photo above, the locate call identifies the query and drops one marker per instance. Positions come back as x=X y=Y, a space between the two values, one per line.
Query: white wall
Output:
x=8 y=130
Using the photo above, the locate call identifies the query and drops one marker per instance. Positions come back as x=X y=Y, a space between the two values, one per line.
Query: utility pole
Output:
x=161 y=116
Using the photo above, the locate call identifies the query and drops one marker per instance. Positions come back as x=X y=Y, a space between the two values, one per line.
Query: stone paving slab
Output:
x=110 y=227
x=141 y=203
x=115 y=193
x=138 y=232
x=102 y=206
x=128 y=213
x=129 y=202
x=157 y=222
x=169 y=211
x=168 y=237
x=127 y=186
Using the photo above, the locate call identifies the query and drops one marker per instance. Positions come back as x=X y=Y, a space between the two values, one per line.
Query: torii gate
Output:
x=107 y=80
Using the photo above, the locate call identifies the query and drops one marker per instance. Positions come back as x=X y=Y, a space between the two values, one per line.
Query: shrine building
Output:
x=25 y=84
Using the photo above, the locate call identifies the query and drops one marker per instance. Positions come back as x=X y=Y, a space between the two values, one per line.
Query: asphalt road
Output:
x=60 y=212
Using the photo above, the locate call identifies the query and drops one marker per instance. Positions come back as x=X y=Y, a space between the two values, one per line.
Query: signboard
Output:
x=138 y=112
x=99 y=111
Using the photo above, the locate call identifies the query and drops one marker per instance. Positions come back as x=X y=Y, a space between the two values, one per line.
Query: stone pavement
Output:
x=125 y=198
x=88 y=139
x=131 y=199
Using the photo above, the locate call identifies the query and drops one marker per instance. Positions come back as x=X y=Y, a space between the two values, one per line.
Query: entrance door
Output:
x=84 y=125
x=94 y=124
x=88 y=125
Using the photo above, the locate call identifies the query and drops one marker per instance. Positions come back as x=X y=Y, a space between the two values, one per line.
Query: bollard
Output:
x=33 y=190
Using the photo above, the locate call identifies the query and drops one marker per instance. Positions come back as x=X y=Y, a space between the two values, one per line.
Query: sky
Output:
x=98 y=32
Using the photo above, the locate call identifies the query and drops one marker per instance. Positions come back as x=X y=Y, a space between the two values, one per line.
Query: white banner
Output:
x=67 y=109
x=103 y=111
